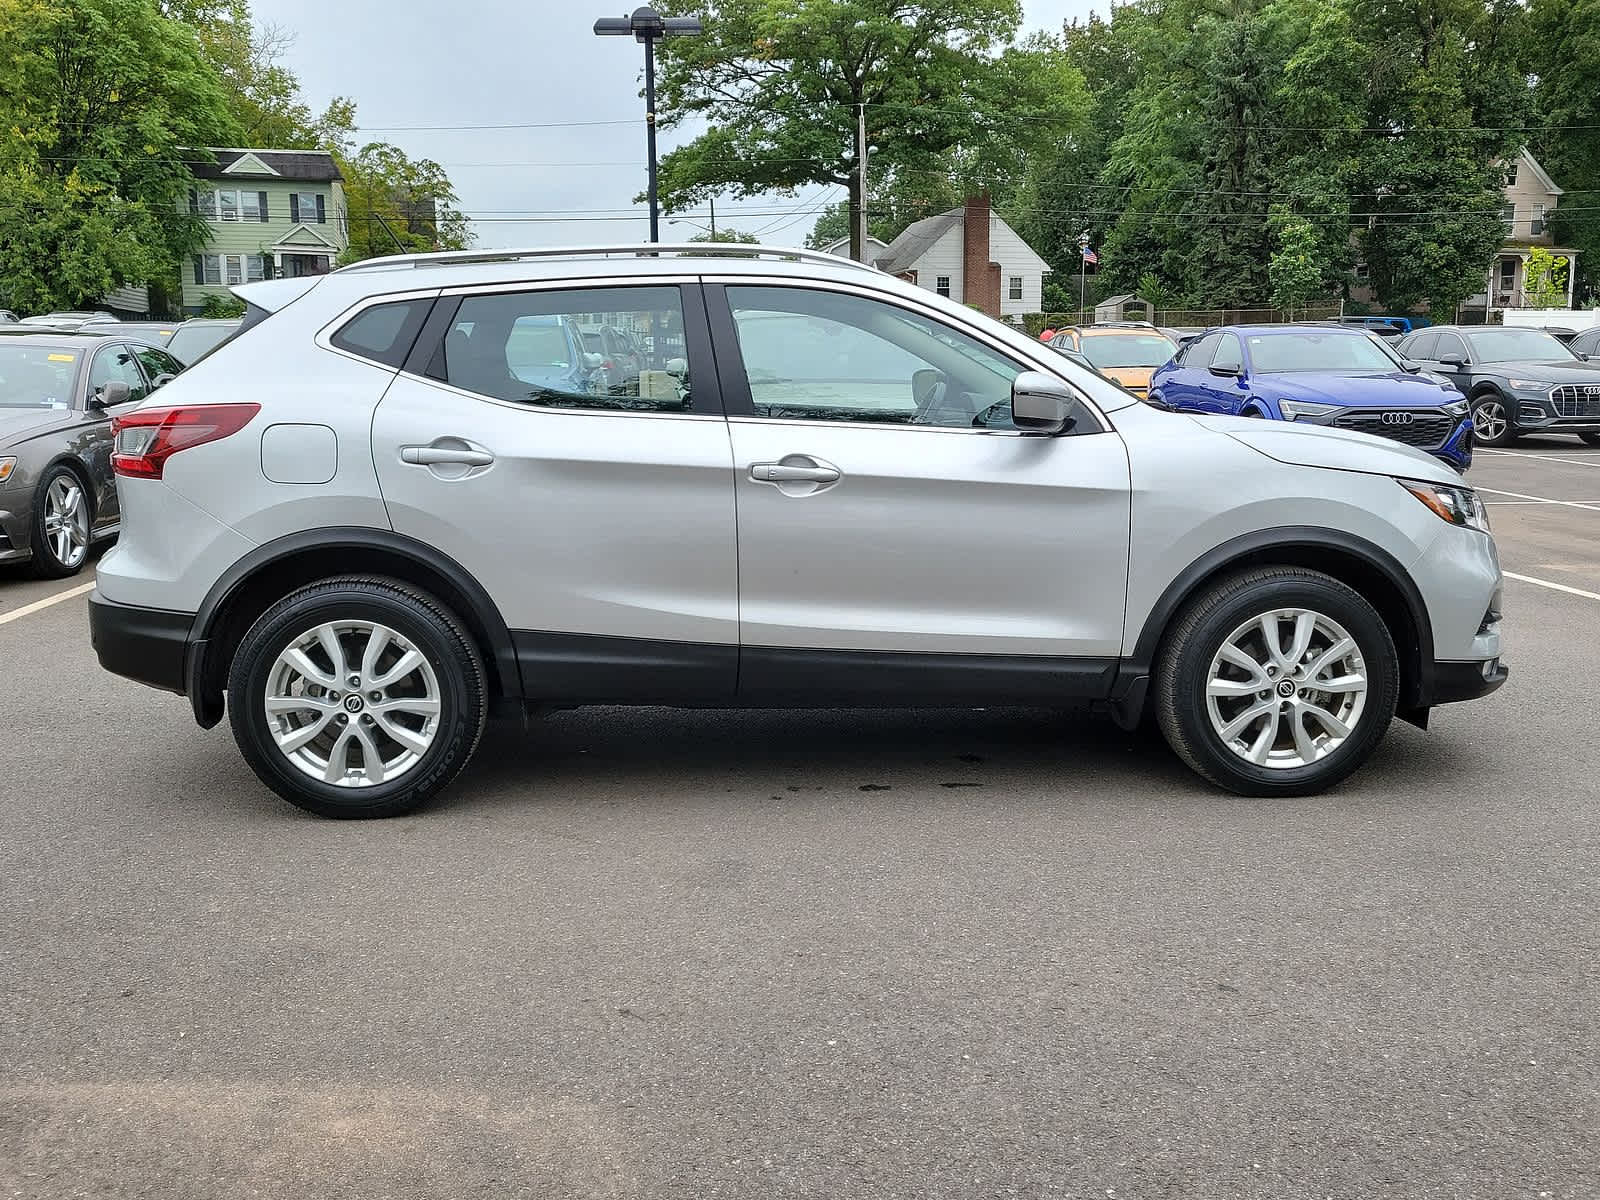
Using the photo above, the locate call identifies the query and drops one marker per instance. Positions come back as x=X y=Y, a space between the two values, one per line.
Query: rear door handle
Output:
x=785 y=473
x=428 y=456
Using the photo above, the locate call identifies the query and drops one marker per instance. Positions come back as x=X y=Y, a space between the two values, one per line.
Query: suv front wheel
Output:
x=1277 y=682
x=357 y=697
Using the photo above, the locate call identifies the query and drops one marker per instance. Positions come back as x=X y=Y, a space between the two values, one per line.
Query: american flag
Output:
x=1089 y=256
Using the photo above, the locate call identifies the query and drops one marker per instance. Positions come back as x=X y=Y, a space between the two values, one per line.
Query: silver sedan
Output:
x=58 y=393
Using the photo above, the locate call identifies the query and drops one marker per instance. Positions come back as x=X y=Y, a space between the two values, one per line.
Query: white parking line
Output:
x=1555 y=458
x=1540 y=499
x=1555 y=587
x=28 y=609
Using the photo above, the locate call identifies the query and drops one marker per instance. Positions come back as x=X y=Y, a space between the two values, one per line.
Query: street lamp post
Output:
x=648 y=26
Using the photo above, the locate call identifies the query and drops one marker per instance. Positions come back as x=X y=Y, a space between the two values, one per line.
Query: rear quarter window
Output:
x=384 y=333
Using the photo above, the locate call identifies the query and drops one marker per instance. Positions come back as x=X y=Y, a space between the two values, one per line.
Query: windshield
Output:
x=1509 y=345
x=1127 y=349
x=1332 y=351
x=36 y=376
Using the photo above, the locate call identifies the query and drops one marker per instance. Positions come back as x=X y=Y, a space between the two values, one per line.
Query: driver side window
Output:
x=116 y=362
x=829 y=356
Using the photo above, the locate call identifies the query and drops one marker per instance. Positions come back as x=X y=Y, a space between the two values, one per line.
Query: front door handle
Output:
x=792 y=473
x=429 y=456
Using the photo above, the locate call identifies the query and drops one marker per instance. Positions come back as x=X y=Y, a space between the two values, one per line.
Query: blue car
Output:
x=1322 y=375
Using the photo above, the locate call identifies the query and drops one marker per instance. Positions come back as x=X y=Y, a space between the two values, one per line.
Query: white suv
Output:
x=405 y=497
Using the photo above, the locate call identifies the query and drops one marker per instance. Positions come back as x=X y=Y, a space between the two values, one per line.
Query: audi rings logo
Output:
x=1397 y=418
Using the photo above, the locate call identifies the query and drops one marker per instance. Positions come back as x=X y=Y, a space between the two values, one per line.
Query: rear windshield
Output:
x=1127 y=350
x=193 y=342
x=1279 y=352
x=36 y=376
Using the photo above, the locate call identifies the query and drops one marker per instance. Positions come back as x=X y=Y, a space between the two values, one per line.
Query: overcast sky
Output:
x=410 y=65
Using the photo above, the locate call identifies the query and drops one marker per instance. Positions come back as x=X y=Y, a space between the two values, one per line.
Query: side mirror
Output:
x=114 y=393
x=1227 y=370
x=1041 y=404
x=678 y=367
x=1453 y=362
x=163 y=379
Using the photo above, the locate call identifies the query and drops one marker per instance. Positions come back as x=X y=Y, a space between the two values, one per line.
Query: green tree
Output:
x=1293 y=269
x=399 y=205
x=727 y=235
x=781 y=85
x=1562 y=54
x=99 y=99
x=1544 y=279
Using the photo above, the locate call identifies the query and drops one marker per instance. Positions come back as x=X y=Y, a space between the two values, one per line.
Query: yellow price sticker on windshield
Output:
x=63 y=358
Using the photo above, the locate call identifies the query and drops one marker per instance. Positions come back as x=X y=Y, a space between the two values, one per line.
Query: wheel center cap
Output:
x=353 y=703
x=1285 y=689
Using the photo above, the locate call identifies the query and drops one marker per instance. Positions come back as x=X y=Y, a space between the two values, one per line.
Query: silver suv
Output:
x=400 y=500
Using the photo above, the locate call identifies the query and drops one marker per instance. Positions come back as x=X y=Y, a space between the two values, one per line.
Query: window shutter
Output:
x=263 y=197
x=194 y=203
x=294 y=207
x=199 y=269
x=322 y=216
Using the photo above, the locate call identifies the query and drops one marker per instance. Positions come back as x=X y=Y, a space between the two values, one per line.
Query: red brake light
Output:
x=147 y=437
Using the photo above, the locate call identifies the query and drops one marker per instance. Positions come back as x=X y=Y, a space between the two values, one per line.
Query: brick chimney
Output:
x=980 y=277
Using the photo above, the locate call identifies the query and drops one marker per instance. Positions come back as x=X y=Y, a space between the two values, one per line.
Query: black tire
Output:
x=1589 y=439
x=1183 y=667
x=427 y=626
x=45 y=564
x=1492 y=411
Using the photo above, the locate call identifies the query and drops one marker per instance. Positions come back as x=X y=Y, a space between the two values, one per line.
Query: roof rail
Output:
x=448 y=258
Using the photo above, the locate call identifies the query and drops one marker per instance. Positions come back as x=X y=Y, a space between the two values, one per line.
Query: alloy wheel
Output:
x=1489 y=420
x=66 y=521
x=352 y=703
x=1286 y=688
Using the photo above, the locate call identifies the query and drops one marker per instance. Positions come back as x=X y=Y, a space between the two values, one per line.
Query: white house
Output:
x=970 y=255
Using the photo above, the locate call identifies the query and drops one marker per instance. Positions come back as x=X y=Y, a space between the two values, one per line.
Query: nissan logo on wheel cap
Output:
x=1397 y=418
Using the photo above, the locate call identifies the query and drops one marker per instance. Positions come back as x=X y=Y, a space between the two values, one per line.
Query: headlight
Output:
x=7 y=465
x=1531 y=385
x=1293 y=410
x=1458 y=505
x=1458 y=408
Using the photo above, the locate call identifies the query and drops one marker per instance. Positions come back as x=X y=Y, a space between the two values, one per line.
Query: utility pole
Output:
x=713 y=203
x=860 y=230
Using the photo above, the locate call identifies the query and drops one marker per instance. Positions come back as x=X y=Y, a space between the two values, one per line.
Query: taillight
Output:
x=607 y=365
x=147 y=437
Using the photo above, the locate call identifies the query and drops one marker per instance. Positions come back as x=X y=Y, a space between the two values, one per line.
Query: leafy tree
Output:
x=1544 y=279
x=98 y=97
x=398 y=205
x=1153 y=292
x=897 y=199
x=782 y=84
x=1293 y=269
x=1562 y=54
x=727 y=235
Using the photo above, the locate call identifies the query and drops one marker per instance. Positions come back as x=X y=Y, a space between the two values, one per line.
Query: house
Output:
x=970 y=254
x=1531 y=196
x=870 y=252
x=270 y=213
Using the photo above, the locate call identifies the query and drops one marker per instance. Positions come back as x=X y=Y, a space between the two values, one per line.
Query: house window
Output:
x=1362 y=272
x=228 y=205
x=235 y=268
x=1014 y=291
x=255 y=267
x=306 y=207
x=1508 y=214
x=1508 y=274
x=207 y=269
x=941 y=284
x=250 y=205
x=1511 y=176
x=206 y=205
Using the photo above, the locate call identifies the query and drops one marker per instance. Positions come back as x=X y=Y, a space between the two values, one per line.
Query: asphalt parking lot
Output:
x=896 y=954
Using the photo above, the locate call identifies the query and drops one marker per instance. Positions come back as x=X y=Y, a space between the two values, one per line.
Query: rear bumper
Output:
x=145 y=644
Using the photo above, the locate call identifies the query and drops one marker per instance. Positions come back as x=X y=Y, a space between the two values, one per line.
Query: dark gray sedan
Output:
x=58 y=393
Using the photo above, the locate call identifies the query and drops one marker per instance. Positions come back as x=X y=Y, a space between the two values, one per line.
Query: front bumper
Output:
x=149 y=645
x=1456 y=681
x=1544 y=412
x=1444 y=435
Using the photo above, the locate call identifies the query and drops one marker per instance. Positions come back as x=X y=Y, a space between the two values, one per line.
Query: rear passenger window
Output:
x=384 y=332
x=545 y=348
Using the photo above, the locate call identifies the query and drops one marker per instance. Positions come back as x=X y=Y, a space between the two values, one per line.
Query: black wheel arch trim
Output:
x=1137 y=667
x=483 y=611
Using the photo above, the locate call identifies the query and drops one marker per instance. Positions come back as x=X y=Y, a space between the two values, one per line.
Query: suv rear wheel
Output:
x=357 y=697
x=1277 y=682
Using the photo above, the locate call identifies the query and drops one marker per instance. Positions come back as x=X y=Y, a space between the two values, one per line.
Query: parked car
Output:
x=1125 y=353
x=1586 y=343
x=58 y=393
x=938 y=510
x=617 y=360
x=1517 y=380
x=65 y=320
x=7 y=317
x=156 y=333
x=199 y=336
x=1317 y=375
